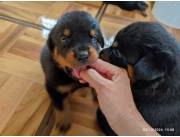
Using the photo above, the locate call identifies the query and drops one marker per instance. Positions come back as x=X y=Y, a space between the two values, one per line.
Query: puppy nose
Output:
x=82 y=55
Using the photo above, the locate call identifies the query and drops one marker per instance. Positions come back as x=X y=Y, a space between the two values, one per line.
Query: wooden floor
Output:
x=24 y=104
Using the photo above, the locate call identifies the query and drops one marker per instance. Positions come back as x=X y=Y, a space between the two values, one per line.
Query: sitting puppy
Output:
x=154 y=56
x=73 y=44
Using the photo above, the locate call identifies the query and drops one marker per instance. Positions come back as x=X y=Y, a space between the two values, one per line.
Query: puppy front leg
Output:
x=60 y=100
x=63 y=117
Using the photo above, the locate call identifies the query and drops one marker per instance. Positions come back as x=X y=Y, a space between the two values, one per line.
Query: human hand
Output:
x=113 y=89
x=115 y=98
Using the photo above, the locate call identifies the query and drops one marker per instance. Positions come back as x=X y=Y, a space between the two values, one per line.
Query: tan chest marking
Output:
x=66 y=88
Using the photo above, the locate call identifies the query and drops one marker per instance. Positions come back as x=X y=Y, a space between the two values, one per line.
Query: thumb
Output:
x=94 y=78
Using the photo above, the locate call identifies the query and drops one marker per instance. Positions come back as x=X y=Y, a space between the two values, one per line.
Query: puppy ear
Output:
x=163 y=56
x=167 y=60
x=155 y=64
x=50 y=42
x=146 y=69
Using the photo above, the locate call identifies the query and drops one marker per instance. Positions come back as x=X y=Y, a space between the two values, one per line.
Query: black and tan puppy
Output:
x=154 y=56
x=73 y=44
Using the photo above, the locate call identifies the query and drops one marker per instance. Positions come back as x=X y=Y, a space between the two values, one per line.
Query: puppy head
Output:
x=75 y=40
x=147 y=47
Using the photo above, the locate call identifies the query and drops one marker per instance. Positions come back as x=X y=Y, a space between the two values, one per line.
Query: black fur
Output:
x=54 y=76
x=154 y=55
x=130 y=5
x=79 y=23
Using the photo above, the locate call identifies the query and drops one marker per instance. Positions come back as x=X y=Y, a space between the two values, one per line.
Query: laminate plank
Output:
x=22 y=67
x=11 y=94
x=78 y=130
x=23 y=10
x=26 y=48
x=28 y=115
x=8 y=34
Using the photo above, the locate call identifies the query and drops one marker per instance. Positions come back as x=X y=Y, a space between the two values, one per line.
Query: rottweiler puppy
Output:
x=152 y=57
x=73 y=44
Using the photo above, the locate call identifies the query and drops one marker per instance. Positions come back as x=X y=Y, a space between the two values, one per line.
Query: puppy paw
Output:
x=65 y=127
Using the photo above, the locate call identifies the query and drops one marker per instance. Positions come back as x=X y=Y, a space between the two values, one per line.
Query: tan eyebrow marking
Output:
x=115 y=44
x=93 y=32
x=67 y=32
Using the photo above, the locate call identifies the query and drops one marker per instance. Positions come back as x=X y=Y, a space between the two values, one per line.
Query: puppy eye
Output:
x=64 y=38
x=115 y=44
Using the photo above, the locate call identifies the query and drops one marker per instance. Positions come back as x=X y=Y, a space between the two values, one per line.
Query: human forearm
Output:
x=115 y=98
x=133 y=124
